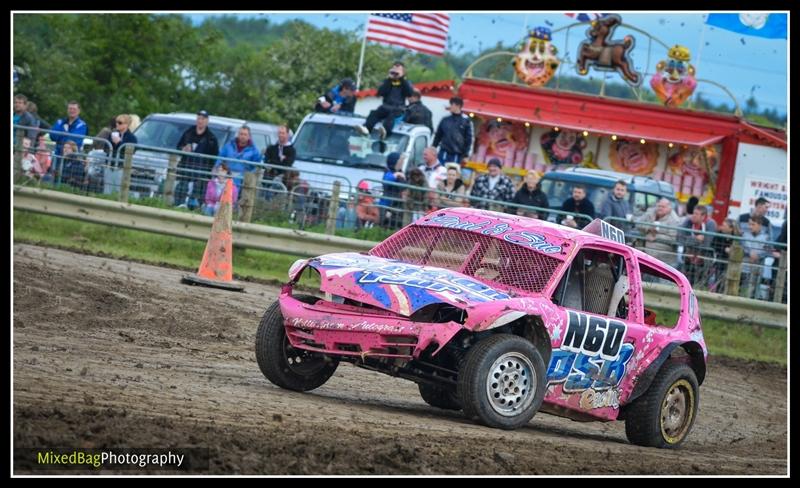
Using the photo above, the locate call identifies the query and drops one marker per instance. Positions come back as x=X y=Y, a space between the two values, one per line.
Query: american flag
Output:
x=423 y=32
x=585 y=16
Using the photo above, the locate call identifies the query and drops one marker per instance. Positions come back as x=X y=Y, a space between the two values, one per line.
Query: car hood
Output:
x=397 y=286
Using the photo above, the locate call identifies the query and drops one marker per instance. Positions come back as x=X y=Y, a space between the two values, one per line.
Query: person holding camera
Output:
x=340 y=99
x=394 y=90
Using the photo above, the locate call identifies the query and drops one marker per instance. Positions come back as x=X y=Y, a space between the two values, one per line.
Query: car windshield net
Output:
x=486 y=258
x=345 y=145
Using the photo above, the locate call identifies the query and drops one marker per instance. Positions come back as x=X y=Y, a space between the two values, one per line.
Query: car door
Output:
x=586 y=371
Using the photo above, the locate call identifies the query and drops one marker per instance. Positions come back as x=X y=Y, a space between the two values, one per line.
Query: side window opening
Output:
x=653 y=280
x=596 y=282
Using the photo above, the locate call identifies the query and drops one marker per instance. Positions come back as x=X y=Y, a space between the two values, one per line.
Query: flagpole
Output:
x=697 y=63
x=361 y=59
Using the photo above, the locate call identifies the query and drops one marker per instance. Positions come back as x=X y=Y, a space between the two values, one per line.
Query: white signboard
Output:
x=776 y=191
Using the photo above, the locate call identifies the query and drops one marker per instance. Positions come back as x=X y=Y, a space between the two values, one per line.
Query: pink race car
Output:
x=500 y=316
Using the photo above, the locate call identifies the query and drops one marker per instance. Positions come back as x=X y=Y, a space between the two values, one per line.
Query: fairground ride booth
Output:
x=523 y=116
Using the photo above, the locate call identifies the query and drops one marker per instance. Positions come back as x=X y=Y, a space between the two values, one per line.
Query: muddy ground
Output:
x=115 y=354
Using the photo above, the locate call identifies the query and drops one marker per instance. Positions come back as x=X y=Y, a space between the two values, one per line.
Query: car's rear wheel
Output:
x=284 y=365
x=664 y=414
x=502 y=382
x=440 y=397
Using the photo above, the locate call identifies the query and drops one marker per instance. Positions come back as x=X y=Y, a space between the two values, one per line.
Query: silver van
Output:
x=164 y=131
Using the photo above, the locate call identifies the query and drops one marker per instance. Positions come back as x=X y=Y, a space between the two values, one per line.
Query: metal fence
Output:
x=276 y=195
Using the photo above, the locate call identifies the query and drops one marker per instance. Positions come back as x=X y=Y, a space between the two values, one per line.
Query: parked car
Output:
x=164 y=131
x=500 y=316
x=643 y=192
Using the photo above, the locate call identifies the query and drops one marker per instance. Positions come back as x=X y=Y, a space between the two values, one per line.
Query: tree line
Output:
x=246 y=68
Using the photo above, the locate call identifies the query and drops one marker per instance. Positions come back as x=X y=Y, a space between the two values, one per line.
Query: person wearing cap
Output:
x=454 y=136
x=340 y=99
x=434 y=172
x=394 y=90
x=417 y=113
x=492 y=186
x=193 y=171
x=366 y=211
x=391 y=193
x=450 y=191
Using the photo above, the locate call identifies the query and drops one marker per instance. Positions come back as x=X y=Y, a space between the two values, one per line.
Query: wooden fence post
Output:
x=734 y=272
x=126 y=175
x=248 y=199
x=169 y=183
x=780 y=280
x=333 y=209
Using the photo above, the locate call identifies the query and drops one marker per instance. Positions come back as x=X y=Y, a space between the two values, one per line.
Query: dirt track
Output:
x=112 y=354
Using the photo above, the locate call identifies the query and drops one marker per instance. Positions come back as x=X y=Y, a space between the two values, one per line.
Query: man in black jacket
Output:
x=281 y=153
x=578 y=203
x=454 y=134
x=192 y=181
x=340 y=99
x=417 y=113
x=394 y=90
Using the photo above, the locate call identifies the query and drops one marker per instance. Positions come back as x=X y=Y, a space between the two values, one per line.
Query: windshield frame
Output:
x=370 y=147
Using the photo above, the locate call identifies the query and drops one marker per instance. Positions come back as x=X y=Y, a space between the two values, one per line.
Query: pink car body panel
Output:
x=596 y=360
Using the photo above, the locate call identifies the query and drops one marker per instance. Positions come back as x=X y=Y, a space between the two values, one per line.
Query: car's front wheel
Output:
x=284 y=365
x=502 y=382
x=665 y=413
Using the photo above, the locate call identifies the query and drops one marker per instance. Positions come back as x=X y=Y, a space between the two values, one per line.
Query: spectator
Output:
x=530 y=194
x=754 y=245
x=191 y=184
x=690 y=205
x=30 y=166
x=391 y=193
x=121 y=135
x=24 y=118
x=699 y=247
x=340 y=99
x=242 y=147
x=454 y=136
x=417 y=113
x=366 y=211
x=451 y=191
x=660 y=242
x=434 y=172
x=760 y=212
x=616 y=203
x=394 y=90
x=215 y=188
x=72 y=124
x=43 y=154
x=417 y=200
x=73 y=171
x=492 y=186
x=346 y=217
x=281 y=153
x=578 y=203
x=33 y=109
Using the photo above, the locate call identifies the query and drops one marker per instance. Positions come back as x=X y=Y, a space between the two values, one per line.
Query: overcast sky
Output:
x=744 y=64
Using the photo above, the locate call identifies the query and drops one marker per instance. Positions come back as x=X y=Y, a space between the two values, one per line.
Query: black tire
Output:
x=493 y=403
x=674 y=392
x=285 y=366
x=440 y=397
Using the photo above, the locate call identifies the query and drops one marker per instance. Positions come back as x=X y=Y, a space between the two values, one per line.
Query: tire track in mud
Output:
x=109 y=353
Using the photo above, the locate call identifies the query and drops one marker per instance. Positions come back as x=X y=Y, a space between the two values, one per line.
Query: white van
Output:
x=329 y=147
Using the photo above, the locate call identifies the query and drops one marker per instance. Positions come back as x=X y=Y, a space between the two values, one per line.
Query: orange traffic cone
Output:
x=216 y=269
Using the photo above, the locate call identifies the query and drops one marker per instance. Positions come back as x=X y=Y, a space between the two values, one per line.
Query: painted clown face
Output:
x=537 y=62
x=674 y=81
x=633 y=158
